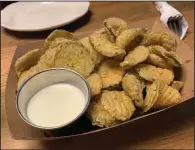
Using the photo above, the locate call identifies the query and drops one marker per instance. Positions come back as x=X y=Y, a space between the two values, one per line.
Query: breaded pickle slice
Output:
x=177 y=85
x=161 y=38
x=58 y=34
x=113 y=25
x=158 y=61
x=168 y=96
x=27 y=60
x=133 y=86
x=95 y=84
x=152 y=73
x=134 y=57
x=152 y=94
x=96 y=56
x=102 y=44
x=125 y=38
x=171 y=57
x=110 y=73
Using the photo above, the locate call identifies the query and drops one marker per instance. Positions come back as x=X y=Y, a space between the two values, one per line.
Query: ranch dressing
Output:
x=56 y=105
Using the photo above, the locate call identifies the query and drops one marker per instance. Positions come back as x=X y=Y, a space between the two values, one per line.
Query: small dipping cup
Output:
x=44 y=79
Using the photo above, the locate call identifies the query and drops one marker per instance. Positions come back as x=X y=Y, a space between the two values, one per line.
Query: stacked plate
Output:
x=39 y=16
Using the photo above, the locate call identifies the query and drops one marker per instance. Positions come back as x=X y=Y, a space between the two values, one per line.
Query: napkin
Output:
x=167 y=11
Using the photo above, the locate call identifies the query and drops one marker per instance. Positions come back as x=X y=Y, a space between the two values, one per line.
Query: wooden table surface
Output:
x=175 y=133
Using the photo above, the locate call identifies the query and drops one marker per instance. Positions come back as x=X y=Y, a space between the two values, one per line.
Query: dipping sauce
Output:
x=56 y=105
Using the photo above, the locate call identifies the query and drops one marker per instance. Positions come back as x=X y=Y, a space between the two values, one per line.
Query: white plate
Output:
x=38 y=16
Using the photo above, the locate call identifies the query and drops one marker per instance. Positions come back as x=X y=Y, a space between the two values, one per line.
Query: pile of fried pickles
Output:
x=126 y=68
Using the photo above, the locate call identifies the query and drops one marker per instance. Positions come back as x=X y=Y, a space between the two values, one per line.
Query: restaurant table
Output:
x=177 y=132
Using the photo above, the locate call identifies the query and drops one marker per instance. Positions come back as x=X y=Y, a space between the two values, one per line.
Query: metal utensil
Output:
x=174 y=25
x=172 y=18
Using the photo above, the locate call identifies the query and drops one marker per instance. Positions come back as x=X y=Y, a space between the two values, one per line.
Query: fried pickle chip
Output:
x=99 y=116
x=46 y=61
x=118 y=104
x=70 y=55
x=95 y=84
x=177 y=85
x=126 y=37
x=158 y=61
x=152 y=93
x=134 y=57
x=110 y=33
x=57 y=42
x=110 y=73
x=100 y=31
x=168 y=96
x=58 y=34
x=102 y=44
x=29 y=73
x=73 y=55
x=134 y=43
x=161 y=38
x=171 y=57
x=165 y=75
x=97 y=57
x=152 y=73
x=113 y=26
x=49 y=57
x=147 y=72
x=27 y=60
x=133 y=86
